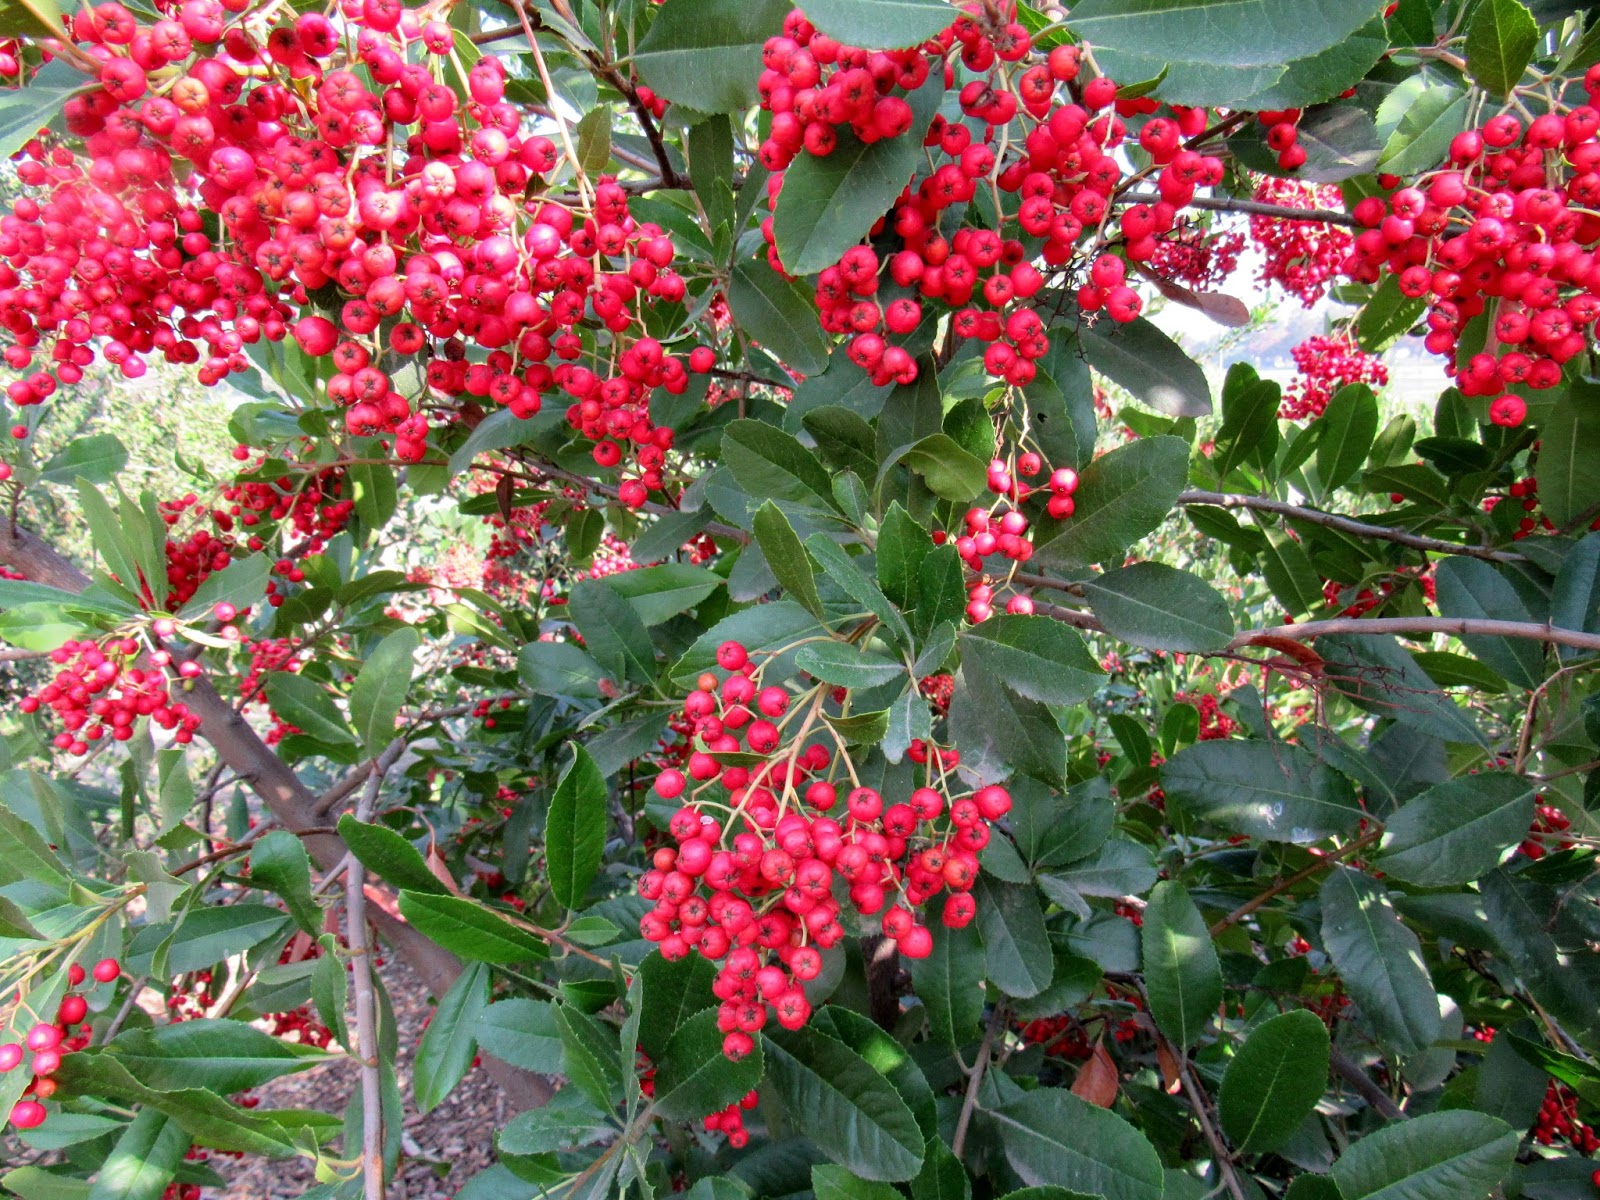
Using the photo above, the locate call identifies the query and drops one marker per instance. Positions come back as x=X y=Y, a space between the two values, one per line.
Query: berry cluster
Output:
x=1549 y=823
x=1325 y=364
x=100 y=690
x=345 y=170
x=1558 y=1118
x=1508 y=228
x=49 y=1040
x=1301 y=257
x=749 y=882
x=1064 y=176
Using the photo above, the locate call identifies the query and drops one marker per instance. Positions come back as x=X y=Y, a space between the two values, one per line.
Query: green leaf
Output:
x=842 y=570
x=1269 y=790
x=1437 y=1156
x=222 y=1056
x=380 y=688
x=1122 y=496
x=110 y=540
x=1349 y=424
x=1149 y=364
x=144 y=1160
x=1458 y=831
x=567 y=1122
x=772 y=464
x=836 y=1183
x=950 y=472
x=205 y=936
x=1249 y=431
x=834 y=1096
x=469 y=929
x=661 y=592
x=448 y=1043
x=594 y=141
x=1379 y=960
x=1384 y=319
x=1274 y=1081
x=242 y=583
x=210 y=1119
x=306 y=704
x=27 y=111
x=1575 y=596
x=764 y=627
x=330 y=989
x=828 y=204
x=1289 y=573
x=1547 y=946
x=847 y=666
x=674 y=990
x=949 y=982
x=1160 y=607
x=99 y=458
x=843 y=437
x=590 y=1055
x=942 y=1176
x=1501 y=39
x=1119 y=867
x=1430 y=121
x=559 y=669
x=1038 y=658
x=613 y=632
x=1219 y=51
x=278 y=862
x=1181 y=972
x=706 y=54
x=878 y=24
x=902 y=545
x=1472 y=588
x=498 y=431
x=779 y=313
x=575 y=830
x=1568 y=466
x=24 y=854
x=388 y=855
x=1379 y=675
x=694 y=1077
x=1323 y=76
x=787 y=557
x=1016 y=946
x=523 y=1033
x=1049 y=1136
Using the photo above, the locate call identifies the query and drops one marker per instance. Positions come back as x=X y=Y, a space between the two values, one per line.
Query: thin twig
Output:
x=1307 y=631
x=1290 y=881
x=1219 y=1149
x=969 y=1102
x=1351 y=1073
x=1255 y=208
x=1344 y=524
x=365 y=999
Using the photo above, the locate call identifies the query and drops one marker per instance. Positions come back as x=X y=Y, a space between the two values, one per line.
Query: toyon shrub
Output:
x=927 y=599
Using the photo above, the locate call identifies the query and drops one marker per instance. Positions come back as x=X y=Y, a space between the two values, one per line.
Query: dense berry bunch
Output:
x=346 y=174
x=1508 y=228
x=749 y=883
x=1301 y=257
x=1197 y=257
x=48 y=1041
x=1325 y=364
x=101 y=689
x=1056 y=187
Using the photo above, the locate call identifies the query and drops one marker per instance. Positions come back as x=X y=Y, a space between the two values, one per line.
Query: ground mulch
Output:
x=441 y=1150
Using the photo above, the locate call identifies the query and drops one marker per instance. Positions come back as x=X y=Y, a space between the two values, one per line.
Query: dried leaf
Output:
x=1097 y=1080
